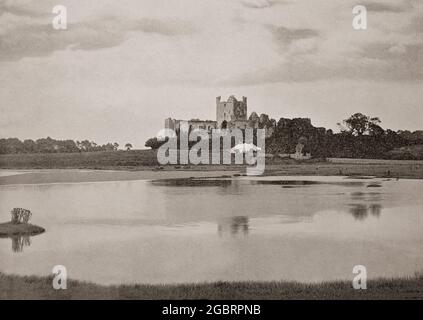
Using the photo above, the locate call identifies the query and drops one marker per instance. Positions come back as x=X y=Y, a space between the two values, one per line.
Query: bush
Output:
x=20 y=215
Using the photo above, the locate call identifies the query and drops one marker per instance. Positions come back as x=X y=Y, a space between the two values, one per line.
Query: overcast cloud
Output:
x=141 y=61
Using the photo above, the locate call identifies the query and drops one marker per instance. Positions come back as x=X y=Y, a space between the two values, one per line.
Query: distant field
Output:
x=103 y=160
x=16 y=287
x=80 y=160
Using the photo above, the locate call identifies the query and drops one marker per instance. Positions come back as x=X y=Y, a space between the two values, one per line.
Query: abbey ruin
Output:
x=229 y=114
x=289 y=138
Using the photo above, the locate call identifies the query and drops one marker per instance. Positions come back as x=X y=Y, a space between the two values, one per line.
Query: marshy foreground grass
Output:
x=31 y=287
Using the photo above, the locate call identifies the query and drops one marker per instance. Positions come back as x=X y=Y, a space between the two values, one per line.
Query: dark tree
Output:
x=359 y=124
x=153 y=143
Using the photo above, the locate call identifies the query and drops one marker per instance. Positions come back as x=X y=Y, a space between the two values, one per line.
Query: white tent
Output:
x=244 y=148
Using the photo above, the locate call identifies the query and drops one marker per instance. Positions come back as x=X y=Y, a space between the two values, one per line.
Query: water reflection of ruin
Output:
x=366 y=196
x=232 y=187
x=233 y=226
x=362 y=211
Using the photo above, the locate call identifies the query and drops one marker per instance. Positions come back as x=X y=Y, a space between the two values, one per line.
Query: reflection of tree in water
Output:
x=362 y=211
x=375 y=209
x=234 y=225
x=19 y=242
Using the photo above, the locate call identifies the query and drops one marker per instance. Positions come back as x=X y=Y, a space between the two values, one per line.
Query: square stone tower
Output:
x=230 y=111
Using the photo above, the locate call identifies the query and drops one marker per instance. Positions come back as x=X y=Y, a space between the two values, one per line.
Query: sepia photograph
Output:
x=211 y=150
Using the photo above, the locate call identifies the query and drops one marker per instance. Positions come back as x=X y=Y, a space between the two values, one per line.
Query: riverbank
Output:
x=19 y=287
x=9 y=229
x=46 y=176
x=142 y=165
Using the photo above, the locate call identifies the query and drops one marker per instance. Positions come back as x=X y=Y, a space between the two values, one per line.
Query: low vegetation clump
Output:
x=19 y=224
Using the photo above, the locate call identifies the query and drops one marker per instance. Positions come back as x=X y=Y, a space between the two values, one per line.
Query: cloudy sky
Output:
x=123 y=66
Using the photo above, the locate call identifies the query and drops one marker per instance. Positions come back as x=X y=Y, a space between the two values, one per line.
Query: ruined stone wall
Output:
x=230 y=111
x=202 y=124
x=170 y=123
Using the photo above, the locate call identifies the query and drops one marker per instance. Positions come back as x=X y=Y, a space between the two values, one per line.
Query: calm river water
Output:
x=274 y=228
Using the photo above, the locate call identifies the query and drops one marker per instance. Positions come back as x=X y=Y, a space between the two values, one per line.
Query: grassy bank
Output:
x=17 y=287
x=146 y=160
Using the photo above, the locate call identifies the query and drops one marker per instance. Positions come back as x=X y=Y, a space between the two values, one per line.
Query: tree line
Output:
x=360 y=136
x=49 y=145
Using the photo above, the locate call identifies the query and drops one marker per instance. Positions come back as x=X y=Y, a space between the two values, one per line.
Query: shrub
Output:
x=20 y=215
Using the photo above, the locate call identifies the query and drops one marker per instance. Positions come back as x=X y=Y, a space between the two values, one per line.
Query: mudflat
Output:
x=79 y=176
x=398 y=170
